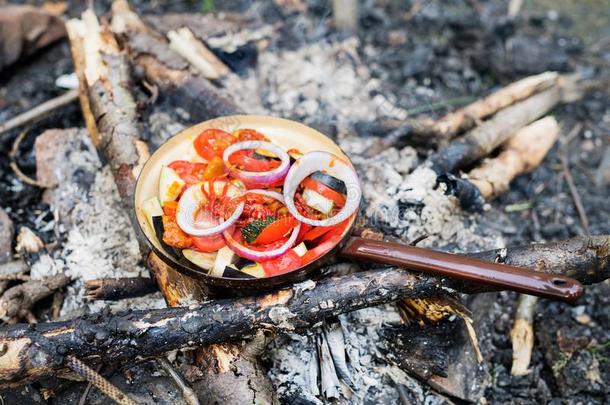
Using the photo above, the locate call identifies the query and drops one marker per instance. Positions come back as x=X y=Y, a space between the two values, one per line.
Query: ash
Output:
x=325 y=85
x=99 y=241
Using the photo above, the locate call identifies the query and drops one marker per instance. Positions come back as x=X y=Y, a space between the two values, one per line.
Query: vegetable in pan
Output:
x=252 y=209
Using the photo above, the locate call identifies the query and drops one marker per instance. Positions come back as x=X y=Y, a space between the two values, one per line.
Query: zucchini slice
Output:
x=224 y=258
x=170 y=185
x=300 y=249
x=255 y=270
x=329 y=181
x=203 y=260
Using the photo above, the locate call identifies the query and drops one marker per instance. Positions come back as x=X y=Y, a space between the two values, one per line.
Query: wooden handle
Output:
x=464 y=268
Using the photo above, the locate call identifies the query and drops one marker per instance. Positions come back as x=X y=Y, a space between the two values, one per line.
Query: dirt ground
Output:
x=443 y=56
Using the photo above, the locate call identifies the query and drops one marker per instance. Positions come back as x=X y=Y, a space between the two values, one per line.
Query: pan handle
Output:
x=464 y=268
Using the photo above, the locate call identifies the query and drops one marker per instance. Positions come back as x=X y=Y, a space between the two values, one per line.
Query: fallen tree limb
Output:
x=522 y=153
x=34 y=351
x=17 y=300
x=483 y=139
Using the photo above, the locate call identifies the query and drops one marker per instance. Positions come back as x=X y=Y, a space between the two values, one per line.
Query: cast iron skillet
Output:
x=289 y=134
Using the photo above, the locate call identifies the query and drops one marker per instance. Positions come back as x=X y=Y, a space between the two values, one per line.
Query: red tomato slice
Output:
x=213 y=142
x=276 y=230
x=249 y=135
x=245 y=160
x=330 y=239
x=208 y=244
x=324 y=191
x=191 y=173
x=316 y=232
x=285 y=263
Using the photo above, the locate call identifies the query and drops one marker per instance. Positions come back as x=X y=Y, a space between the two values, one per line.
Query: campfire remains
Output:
x=356 y=333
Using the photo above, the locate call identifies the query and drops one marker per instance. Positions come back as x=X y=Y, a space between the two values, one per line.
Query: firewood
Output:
x=22 y=297
x=428 y=131
x=151 y=53
x=522 y=153
x=184 y=43
x=118 y=288
x=483 y=139
x=35 y=351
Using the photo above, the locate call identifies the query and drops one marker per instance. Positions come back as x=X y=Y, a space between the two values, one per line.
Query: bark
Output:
x=16 y=301
x=35 y=351
x=151 y=54
x=521 y=154
x=483 y=139
x=114 y=289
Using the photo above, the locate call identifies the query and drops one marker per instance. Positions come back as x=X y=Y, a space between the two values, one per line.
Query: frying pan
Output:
x=289 y=134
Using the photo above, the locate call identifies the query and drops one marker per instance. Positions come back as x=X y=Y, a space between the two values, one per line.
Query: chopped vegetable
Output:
x=251 y=231
x=152 y=208
x=276 y=230
x=283 y=264
x=317 y=201
x=170 y=185
x=213 y=142
x=255 y=270
x=215 y=168
x=329 y=181
x=224 y=258
x=300 y=249
x=203 y=260
x=208 y=244
x=325 y=191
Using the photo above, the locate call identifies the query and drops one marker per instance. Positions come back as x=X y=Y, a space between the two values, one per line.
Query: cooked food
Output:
x=247 y=208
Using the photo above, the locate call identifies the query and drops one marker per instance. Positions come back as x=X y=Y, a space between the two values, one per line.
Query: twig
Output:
x=190 y=397
x=83 y=397
x=522 y=334
x=582 y=213
x=98 y=381
x=39 y=111
x=13 y=156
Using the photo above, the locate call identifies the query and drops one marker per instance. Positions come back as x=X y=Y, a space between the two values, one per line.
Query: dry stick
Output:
x=22 y=297
x=39 y=111
x=482 y=140
x=13 y=156
x=582 y=213
x=522 y=153
x=425 y=130
x=98 y=381
x=190 y=397
x=114 y=289
x=31 y=351
x=522 y=334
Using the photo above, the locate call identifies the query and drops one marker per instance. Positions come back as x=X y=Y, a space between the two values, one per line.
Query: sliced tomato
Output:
x=324 y=190
x=208 y=244
x=247 y=134
x=316 y=232
x=191 y=173
x=275 y=231
x=245 y=160
x=328 y=240
x=213 y=142
x=287 y=262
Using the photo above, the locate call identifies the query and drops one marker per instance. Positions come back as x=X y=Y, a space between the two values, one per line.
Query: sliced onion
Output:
x=189 y=204
x=259 y=178
x=333 y=165
x=261 y=255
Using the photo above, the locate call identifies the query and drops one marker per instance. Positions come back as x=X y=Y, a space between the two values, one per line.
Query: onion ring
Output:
x=333 y=165
x=261 y=255
x=258 y=178
x=189 y=204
